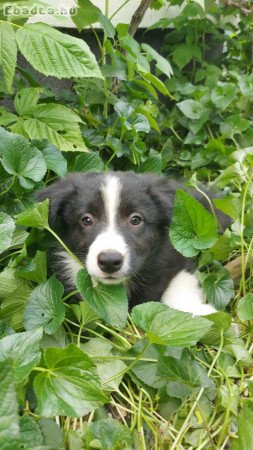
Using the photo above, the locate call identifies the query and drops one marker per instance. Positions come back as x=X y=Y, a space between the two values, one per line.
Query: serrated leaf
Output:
x=55 y=161
x=8 y=53
x=71 y=385
x=20 y=158
x=161 y=63
x=245 y=307
x=185 y=371
x=35 y=269
x=167 y=326
x=146 y=369
x=191 y=109
x=86 y=14
x=54 y=53
x=9 y=419
x=151 y=164
x=44 y=307
x=23 y=349
x=108 y=301
x=56 y=123
x=26 y=100
x=219 y=288
x=222 y=95
x=36 y=216
x=90 y=162
x=192 y=227
x=13 y=304
x=7 y=227
x=110 y=434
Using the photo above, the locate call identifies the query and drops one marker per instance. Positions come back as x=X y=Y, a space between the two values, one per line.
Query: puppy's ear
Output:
x=163 y=191
x=57 y=193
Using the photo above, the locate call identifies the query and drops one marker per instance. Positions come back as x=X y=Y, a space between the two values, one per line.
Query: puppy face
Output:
x=113 y=222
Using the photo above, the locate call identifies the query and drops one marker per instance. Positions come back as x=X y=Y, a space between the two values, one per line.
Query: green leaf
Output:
x=13 y=305
x=56 y=123
x=23 y=349
x=109 y=434
x=54 y=53
x=44 y=307
x=70 y=385
x=182 y=55
x=245 y=307
x=223 y=94
x=36 y=216
x=192 y=227
x=86 y=14
x=84 y=313
x=35 y=269
x=184 y=373
x=8 y=282
x=139 y=123
x=219 y=288
x=26 y=100
x=55 y=161
x=7 y=227
x=151 y=164
x=229 y=397
x=106 y=369
x=234 y=124
x=245 y=435
x=90 y=162
x=8 y=53
x=231 y=206
x=52 y=433
x=161 y=63
x=30 y=432
x=156 y=82
x=167 y=326
x=9 y=419
x=191 y=109
x=146 y=369
x=108 y=301
x=107 y=26
x=20 y=158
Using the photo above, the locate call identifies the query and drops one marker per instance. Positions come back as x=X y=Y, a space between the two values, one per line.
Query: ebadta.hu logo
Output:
x=25 y=10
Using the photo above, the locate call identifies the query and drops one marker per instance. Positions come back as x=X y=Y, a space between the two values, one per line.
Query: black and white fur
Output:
x=117 y=224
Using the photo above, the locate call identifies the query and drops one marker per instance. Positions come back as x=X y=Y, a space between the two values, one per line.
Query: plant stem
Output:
x=11 y=184
x=119 y=8
x=186 y=422
x=64 y=246
x=11 y=23
x=128 y=368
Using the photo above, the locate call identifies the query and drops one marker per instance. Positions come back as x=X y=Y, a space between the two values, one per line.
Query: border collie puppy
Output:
x=117 y=224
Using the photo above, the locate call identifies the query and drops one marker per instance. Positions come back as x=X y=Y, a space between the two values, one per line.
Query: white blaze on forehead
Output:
x=111 y=191
x=109 y=238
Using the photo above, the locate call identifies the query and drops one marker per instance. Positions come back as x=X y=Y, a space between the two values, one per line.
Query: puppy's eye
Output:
x=135 y=219
x=87 y=220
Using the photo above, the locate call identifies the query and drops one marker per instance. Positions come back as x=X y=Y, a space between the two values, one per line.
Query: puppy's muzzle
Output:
x=110 y=261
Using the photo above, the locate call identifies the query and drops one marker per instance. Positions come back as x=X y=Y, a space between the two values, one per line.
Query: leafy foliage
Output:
x=84 y=372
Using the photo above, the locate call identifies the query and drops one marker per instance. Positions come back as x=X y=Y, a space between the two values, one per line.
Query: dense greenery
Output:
x=88 y=374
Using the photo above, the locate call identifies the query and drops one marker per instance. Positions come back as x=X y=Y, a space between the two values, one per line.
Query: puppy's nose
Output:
x=110 y=261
